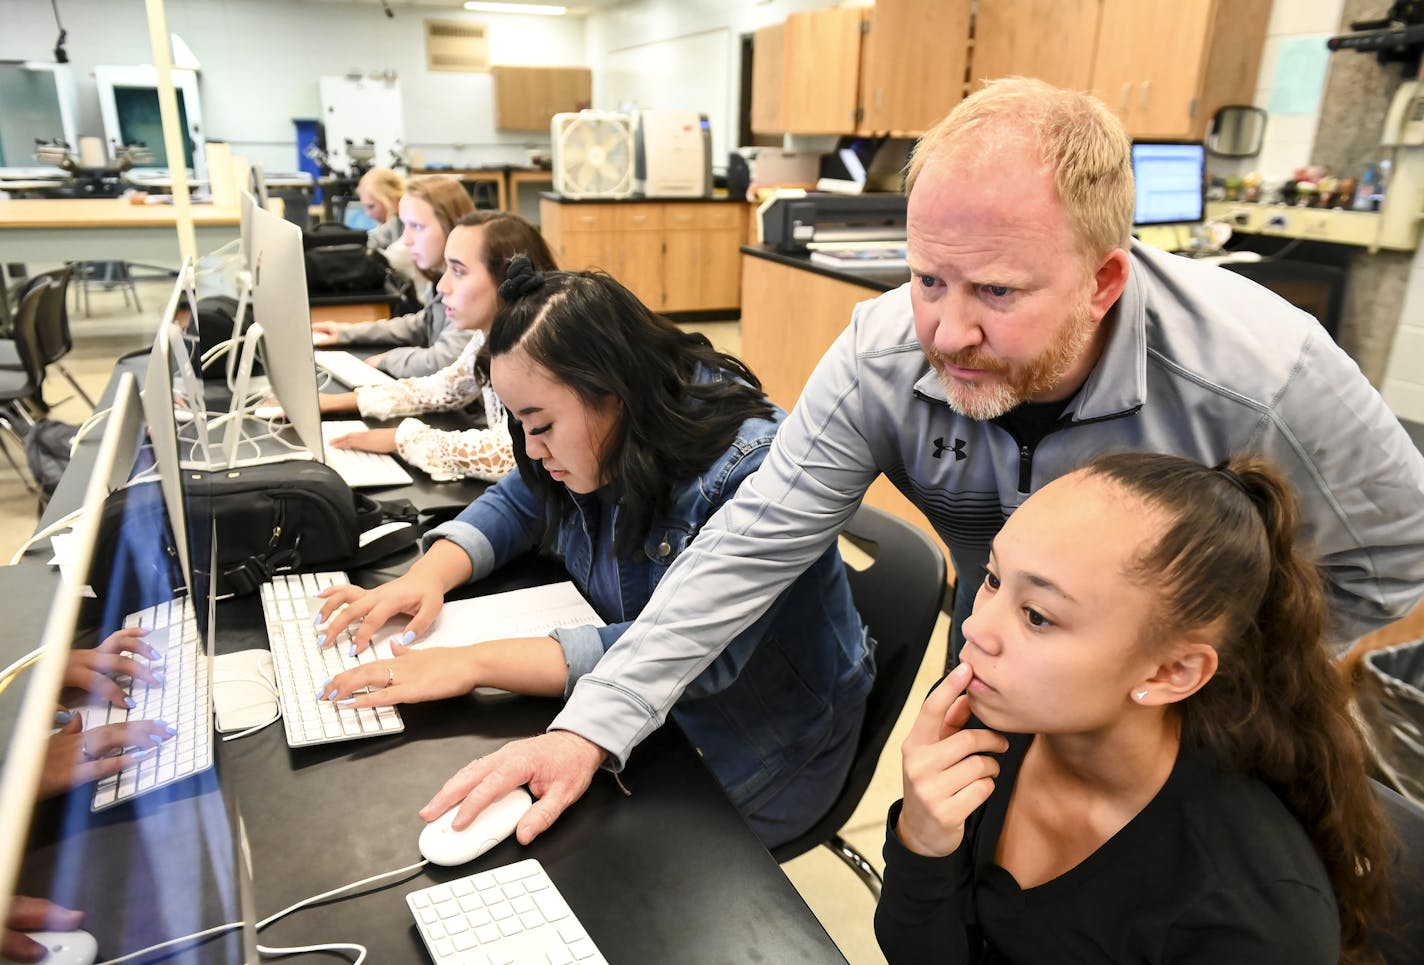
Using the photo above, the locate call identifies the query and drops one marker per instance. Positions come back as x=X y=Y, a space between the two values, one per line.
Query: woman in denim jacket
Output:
x=629 y=434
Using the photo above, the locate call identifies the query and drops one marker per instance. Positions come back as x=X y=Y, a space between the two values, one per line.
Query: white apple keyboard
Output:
x=349 y=370
x=360 y=469
x=303 y=667
x=508 y=915
x=181 y=699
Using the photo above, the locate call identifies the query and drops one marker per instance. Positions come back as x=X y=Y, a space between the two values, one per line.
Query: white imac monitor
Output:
x=282 y=329
x=29 y=739
x=161 y=411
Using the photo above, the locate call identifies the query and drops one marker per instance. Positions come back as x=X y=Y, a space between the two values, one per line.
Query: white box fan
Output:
x=593 y=154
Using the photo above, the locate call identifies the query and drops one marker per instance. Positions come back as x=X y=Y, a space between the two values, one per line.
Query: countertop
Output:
x=639 y=199
x=875 y=280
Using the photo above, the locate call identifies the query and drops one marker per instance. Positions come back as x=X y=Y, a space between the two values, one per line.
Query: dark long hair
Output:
x=683 y=401
x=1277 y=706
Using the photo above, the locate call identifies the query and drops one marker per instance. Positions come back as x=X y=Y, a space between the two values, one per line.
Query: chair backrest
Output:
x=1404 y=942
x=25 y=335
x=1317 y=289
x=899 y=597
x=52 y=320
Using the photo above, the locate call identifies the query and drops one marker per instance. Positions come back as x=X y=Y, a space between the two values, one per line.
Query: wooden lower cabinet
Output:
x=675 y=256
x=790 y=317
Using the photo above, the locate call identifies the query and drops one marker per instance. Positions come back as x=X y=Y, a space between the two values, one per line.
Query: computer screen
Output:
x=25 y=754
x=1170 y=181
x=282 y=328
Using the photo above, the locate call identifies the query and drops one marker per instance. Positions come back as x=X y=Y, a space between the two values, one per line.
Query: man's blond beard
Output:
x=1015 y=384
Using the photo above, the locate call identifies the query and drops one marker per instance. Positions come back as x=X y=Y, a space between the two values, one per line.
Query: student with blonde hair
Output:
x=423 y=341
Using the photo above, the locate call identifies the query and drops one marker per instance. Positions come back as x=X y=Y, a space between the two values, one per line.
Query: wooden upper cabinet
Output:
x=1052 y=40
x=913 y=68
x=527 y=98
x=768 y=79
x=806 y=73
x=1165 y=66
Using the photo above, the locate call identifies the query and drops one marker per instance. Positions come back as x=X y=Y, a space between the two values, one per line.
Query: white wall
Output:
x=1404 y=378
x=1289 y=137
x=261 y=60
x=684 y=54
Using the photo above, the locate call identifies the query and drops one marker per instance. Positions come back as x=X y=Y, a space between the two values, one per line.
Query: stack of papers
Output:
x=861 y=258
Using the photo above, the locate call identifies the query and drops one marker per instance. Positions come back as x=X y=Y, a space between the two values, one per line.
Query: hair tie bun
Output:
x=521 y=279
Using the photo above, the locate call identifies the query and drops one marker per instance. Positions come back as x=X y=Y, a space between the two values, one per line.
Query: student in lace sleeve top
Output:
x=1146 y=753
x=477 y=256
x=426 y=340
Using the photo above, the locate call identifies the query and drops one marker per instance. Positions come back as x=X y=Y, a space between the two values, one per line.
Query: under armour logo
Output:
x=957 y=449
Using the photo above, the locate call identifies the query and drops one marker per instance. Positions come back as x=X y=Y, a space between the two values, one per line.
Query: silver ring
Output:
x=84 y=749
x=390 y=676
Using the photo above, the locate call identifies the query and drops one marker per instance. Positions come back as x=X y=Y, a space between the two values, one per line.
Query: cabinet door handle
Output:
x=1146 y=89
x=1126 y=97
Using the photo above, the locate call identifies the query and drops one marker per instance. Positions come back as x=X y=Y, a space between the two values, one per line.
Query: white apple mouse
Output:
x=65 y=947
x=444 y=846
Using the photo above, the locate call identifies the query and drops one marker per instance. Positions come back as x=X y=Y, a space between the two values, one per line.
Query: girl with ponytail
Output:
x=1145 y=753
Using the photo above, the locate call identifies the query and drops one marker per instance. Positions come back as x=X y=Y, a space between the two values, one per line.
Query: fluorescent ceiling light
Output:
x=542 y=9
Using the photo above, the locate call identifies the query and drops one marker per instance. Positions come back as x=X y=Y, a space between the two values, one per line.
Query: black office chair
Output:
x=1403 y=944
x=899 y=597
x=21 y=378
x=1317 y=289
x=52 y=325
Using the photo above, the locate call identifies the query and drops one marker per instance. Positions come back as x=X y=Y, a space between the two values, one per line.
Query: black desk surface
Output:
x=670 y=873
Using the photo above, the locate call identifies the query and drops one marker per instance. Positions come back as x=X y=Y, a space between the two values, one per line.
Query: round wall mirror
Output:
x=1236 y=131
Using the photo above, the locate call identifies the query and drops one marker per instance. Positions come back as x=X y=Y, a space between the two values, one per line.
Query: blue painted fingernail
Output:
x=321 y=641
x=316 y=620
x=348 y=701
x=159 y=676
x=62 y=717
x=172 y=731
x=353 y=649
x=157 y=738
x=129 y=703
x=140 y=755
x=408 y=637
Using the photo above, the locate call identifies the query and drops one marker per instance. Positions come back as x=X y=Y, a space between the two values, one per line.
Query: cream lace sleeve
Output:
x=485 y=454
x=450 y=388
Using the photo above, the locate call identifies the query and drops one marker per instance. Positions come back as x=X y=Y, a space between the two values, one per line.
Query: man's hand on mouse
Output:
x=34 y=914
x=557 y=767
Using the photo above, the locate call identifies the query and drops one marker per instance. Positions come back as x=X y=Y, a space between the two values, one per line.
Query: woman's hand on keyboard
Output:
x=418 y=675
x=372 y=440
x=420 y=598
x=75 y=756
x=93 y=670
x=324 y=333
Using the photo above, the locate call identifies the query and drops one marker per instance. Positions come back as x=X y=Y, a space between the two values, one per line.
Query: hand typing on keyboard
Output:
x=94 y=670
x=411 y=676
x=420 y=594
x=372 y=440
x=75 y=756
x=324 y=333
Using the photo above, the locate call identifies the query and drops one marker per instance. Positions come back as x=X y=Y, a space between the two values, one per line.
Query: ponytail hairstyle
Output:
x=683 y=401
x=1277 y=707
x=449 y=200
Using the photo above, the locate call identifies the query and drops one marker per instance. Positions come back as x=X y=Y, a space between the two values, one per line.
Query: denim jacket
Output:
x=770 y=703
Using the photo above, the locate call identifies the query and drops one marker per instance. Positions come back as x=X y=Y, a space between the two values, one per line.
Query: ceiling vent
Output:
x=456 y=45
